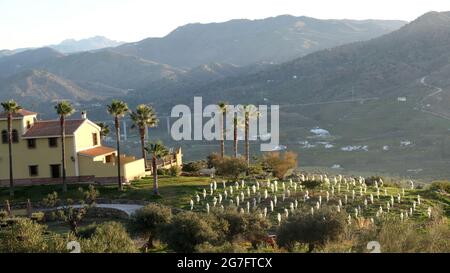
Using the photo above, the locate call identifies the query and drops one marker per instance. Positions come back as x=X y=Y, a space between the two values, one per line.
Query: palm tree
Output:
x=63 y=109
x=223 y=109
x=143 y=117
x=104 y=129
x=10 y=107
x=250 y=112
x=118 y=109
x=235 y=136
x=158 y=151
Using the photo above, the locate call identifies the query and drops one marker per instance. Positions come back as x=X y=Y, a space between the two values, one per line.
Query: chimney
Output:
x=83 y=115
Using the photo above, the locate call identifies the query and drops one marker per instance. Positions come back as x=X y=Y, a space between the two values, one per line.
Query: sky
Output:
x=34 y=23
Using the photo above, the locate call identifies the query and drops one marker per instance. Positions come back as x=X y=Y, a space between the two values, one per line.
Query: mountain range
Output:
x=243 y=42
x=72 y=46
x=192 y=54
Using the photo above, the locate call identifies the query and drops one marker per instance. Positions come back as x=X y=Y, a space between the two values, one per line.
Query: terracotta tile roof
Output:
x=51 y=128
x=21 y=113
x=97 y=151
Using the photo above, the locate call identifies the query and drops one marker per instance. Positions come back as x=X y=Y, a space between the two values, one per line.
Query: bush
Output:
x=87 y=232
x=212 y=159
x=26 y=236
x=311 y=230
x=396 y=236
x=174 y=171
x=38 y=216
x=3 y=214
x=187 y=230
x=51 y=200
x=230 y=167
x=249 y=227
x=256 y=171
x=162 y=172
x=150 y=220
x=441 y=186
x=311 y=184
x=194 y=166
x=279 y=164
x=370 y=181
x=90 y=195
x=109 y=237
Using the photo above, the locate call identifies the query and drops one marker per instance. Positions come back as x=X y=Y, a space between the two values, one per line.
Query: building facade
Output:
x=37 y=153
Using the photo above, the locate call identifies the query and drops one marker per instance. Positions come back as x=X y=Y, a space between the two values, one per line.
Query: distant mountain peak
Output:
x=245 y=42
x=88 y=44
x=432 y=19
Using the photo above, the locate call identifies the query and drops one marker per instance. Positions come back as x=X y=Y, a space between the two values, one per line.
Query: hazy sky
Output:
x=32 y=23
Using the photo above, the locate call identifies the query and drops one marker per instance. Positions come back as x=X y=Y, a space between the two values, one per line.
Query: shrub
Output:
x=149 y=220
x=441 y=186
x=370 y=181
x=90 y=195
x=87 y=232
x=24 y=236
x=162 y=171
x=279 y=164
x=72 y=216
x=38 y=216
x=311 y=230
x=311 y=184
x=174 y=171
x=230 y=167
x=3 y=214
x=51 y=200
x=194 y=166
x=109 y=237
x=396 y=236
x=212 y=159
x=256 y=171
x=249 y=227
x=187 y=230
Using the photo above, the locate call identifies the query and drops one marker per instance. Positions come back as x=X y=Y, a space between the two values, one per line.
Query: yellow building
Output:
x=37 y=153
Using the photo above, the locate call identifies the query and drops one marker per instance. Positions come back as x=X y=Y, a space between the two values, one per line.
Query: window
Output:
x=31 y=143
x=15 y=136
x=33 y=170
x=94 y=139
x=4 y=136
x=55 y=171
x=28 y=124
x=108 y=158
x=53 y=142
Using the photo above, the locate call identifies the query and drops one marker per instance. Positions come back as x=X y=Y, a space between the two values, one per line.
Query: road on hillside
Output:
x=436 y=90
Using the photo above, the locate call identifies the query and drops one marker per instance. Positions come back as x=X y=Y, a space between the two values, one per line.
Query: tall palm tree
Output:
x=104 y=129
x=235 y=136
x=143 y=117
x=250 y=112
x=158 y=151
x=63 y=109
x=10 y=107
x=223 y=109
x=118 y=109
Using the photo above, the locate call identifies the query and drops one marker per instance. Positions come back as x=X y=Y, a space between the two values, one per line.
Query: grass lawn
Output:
x=174 y=191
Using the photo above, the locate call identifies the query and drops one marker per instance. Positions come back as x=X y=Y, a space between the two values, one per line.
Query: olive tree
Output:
x=313 y=230
x=149 y=220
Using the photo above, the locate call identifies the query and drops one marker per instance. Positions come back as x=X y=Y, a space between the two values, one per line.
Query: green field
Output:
x=174 y=191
